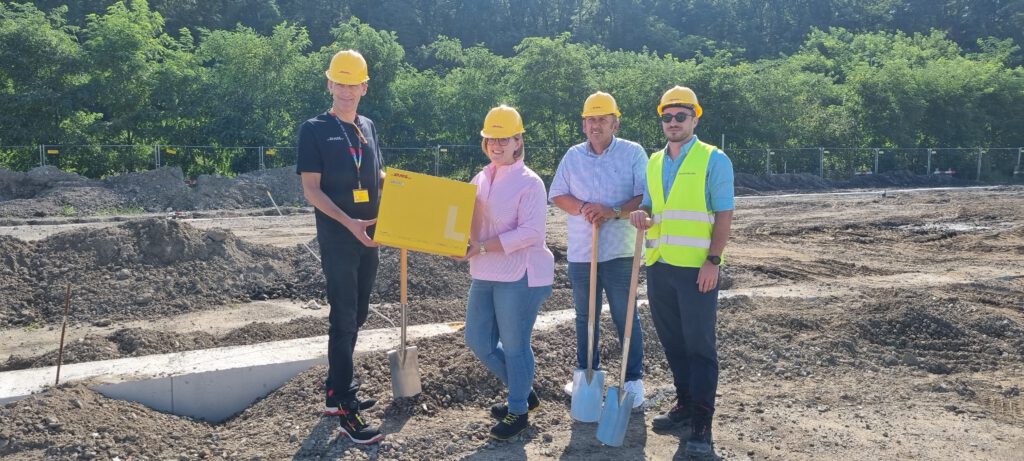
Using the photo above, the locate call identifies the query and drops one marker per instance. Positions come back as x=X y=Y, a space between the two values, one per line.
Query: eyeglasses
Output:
x=499 y=141
x=679 y=116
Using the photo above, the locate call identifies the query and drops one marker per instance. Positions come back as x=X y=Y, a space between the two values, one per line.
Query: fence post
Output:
x=877 y=153
x=928 y=166
x=821 y=162
x=767 y=162
x=42 y=155
x=980 y=153
x=156 y=156
x=437 y=160
x=262 y=166
x=1017 y=170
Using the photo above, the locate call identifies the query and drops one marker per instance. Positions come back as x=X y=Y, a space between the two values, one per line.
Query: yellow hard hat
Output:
x=502 y=122
x=600 y=103
x=348 y=68
x=680 y=95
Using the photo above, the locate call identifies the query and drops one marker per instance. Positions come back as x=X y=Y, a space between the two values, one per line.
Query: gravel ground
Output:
x=883 y=327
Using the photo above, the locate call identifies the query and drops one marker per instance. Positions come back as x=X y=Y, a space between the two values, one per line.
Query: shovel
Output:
x=405 y=362
x=611 y=430
x=588 y=384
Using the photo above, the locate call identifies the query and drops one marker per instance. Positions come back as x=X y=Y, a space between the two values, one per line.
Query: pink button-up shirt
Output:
x=511 y=204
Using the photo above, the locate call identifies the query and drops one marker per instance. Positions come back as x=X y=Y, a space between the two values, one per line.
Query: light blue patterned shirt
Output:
x=610 y=179
x=719 y=192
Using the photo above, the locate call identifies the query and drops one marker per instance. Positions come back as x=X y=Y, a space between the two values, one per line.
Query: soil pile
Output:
x=48 y=191
x=749 y=184
x=134 y=270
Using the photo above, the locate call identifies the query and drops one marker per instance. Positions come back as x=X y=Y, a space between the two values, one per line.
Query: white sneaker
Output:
x=568 y=388
x=637 y=388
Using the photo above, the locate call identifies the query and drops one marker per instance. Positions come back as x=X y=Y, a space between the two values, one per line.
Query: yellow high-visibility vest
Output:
x=681 y=231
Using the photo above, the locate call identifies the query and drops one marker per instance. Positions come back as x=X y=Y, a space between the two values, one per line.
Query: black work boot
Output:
x=510 y=426
x=499 y=410
x=353 y=425
x=679 y=415
x=700 y=444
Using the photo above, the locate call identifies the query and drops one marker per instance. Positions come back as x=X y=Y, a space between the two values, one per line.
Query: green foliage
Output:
x=109 y=73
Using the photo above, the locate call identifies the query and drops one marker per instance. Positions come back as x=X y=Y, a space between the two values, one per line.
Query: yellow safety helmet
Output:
x=502 y=122
x=680 y=95
x=348 y=68
x=600 y=103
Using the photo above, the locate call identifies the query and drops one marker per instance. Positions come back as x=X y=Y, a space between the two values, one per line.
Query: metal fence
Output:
x=462 y=161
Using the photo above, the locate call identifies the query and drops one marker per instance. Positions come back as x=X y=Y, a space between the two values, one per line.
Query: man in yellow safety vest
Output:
x=687 y=212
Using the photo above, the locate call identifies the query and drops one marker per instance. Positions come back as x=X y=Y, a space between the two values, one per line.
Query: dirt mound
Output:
x=282 y=182
x=134 y=270
x=749 y=184
x=48 y=191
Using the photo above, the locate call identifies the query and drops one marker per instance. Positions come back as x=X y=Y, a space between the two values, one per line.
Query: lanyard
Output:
x=357 y=154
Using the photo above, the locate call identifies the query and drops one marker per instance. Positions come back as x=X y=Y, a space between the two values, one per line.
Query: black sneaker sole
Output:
x=371 y=440
x=499 y=418
x=496 y=437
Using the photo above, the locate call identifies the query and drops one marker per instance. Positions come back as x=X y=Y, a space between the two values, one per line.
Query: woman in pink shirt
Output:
x=511 y=266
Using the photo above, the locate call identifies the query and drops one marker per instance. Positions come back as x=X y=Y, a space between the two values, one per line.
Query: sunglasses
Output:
x=500 y=141
x=679 y=116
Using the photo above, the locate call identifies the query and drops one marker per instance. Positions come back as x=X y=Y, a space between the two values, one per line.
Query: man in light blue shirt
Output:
x=720 y=191
x=685 y=252
x=601 y=181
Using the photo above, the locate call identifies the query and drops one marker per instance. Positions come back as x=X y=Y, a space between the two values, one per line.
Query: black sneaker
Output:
x=353 y=426
x=499 y=410
x=679 y=415
x=700 y=444
x=510 y=426
x=333 y=410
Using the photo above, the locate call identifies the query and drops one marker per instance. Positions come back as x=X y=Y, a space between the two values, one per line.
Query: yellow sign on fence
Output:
x=425 y=213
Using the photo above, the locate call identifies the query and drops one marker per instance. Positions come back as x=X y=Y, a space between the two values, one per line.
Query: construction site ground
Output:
x=877 y=324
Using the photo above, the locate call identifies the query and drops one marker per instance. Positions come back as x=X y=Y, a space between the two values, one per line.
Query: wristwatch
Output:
x=716 y=260
x=618 y=212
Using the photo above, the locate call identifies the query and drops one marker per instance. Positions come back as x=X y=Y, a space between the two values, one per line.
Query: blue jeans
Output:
x=613 y=279
x=499 y=325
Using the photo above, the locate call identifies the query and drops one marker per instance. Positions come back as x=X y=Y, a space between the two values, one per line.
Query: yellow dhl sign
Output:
x=425 y=213
x=52 y=152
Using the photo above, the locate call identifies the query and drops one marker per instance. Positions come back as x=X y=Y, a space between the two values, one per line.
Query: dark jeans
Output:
x=685 y=321
x=613 y=279
x=350 y=271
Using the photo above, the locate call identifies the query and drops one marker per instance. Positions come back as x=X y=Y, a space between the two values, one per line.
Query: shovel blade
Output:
x=586 y=396
x=405 y=374
x=611 y=430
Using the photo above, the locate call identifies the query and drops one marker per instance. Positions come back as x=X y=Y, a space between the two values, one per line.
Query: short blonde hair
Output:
x=518 y=154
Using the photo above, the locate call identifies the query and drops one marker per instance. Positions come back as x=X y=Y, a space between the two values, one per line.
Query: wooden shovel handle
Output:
x=404 y=298
x=592 y=307
x=634 y=280
x=404 y=275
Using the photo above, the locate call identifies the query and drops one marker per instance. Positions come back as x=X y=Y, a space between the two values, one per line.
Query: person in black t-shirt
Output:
x=342 y=172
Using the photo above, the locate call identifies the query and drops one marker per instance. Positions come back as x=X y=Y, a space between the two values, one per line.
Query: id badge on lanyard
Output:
x=359 y=194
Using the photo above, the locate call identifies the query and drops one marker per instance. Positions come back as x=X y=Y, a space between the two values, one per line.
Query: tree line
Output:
x=125 y=76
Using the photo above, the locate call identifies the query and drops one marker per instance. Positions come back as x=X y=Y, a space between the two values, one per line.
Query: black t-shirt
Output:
x=324 y=148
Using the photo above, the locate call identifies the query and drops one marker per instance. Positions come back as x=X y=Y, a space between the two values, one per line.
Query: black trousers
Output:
x=685 y=321
x=351 y=270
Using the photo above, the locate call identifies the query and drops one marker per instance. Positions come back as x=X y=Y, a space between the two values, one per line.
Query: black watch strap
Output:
x=716 y=260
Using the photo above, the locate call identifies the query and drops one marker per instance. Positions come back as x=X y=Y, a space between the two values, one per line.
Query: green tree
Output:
x=41 y=66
